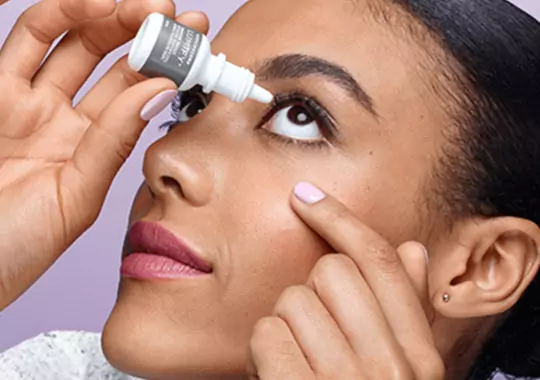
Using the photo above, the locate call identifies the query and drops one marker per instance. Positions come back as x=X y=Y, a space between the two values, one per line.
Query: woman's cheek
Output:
x=141 y=204
x=290 y=248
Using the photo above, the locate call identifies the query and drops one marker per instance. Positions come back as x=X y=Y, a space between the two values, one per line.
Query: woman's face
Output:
x=354 y=116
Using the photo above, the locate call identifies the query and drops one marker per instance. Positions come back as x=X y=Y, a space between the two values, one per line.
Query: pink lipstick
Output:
x=156 y=253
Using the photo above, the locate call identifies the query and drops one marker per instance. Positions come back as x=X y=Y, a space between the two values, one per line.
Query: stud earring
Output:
x=446 y=298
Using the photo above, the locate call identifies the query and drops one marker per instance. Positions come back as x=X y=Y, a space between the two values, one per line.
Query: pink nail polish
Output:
x=157 y=104
x=308 y=193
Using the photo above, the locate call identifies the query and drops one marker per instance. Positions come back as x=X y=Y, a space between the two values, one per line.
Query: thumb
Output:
x=109 y=141
x=196 y=20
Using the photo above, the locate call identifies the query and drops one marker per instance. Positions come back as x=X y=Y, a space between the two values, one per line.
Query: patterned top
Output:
x=59 y=356
x=67 y=355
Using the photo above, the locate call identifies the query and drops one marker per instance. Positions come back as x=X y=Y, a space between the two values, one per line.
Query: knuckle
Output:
x=164 y=7
x=330 y=266
x=286 y=349
x=91 y=45
x=26 y=15
x=129 y=76
x=383 y=256
x=131 y=20
x=71 y=12
x=292 y=297
x=432 y=367
x=264 y=328
x=27 y=20
x=340 y=217
x=271 y=339
x=398 y=370
x=120 y=147
x=347 y=366
x=340 y=213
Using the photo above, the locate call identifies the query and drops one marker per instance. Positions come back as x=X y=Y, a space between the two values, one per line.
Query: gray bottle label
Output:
x=174 y=52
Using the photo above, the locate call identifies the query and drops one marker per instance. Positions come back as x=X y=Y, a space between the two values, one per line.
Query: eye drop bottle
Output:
x=165 y=48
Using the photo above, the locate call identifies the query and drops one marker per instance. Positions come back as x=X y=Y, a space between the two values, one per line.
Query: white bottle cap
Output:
x=145 y=41
x=163 y=47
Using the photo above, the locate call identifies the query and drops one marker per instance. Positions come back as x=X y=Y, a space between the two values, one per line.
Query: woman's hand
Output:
x=57 y=160
x=360 y=315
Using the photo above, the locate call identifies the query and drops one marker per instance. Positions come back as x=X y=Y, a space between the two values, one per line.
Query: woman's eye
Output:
x=295 y=122
x=191 y=107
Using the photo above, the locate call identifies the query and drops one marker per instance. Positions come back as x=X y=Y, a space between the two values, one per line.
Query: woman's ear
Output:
x=483 y=266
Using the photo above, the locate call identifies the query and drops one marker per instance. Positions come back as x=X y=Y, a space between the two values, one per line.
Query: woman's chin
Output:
x=141 y=340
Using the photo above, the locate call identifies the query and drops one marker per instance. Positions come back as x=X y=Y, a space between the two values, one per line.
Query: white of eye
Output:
x=295 y=122
x=192 y=109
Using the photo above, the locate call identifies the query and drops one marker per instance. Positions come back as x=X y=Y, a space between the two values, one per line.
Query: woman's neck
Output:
x=460 y=342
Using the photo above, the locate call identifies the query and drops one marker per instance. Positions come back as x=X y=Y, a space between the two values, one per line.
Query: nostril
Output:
x=172 y=184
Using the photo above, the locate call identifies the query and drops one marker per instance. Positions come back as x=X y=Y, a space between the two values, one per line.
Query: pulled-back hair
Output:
x=493 y=166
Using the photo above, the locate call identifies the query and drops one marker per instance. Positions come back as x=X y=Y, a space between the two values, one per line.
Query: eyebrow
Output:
x=295 y=66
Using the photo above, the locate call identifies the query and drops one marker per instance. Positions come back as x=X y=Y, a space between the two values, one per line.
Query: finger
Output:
x=317 y=334
x=81 y=50
x=110 y=139
x=382 y=269
x=414 y=258
x=345 y=294
x=196 y=20
x=121 y=76
x=38 y=27
x=375 y=258
x=274 y=353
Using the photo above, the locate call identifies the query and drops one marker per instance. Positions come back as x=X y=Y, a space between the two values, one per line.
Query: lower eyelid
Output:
x=297 y=143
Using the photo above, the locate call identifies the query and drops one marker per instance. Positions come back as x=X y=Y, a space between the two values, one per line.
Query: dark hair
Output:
x=493 y=168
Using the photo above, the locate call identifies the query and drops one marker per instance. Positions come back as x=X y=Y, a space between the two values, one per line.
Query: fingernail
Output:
x=308 y=193
x=157 y=104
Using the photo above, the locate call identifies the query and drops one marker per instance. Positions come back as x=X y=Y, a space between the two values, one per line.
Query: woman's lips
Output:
x=147 y=266
x=156 y=253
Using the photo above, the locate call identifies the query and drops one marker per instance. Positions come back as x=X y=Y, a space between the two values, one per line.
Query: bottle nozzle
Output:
x=260 y=94
x=163 y=47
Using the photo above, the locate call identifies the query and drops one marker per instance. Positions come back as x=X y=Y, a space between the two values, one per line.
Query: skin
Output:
x=278 y=250
x=252 y=235
x=331 y=290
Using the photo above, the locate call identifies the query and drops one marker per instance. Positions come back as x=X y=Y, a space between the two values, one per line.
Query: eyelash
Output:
x=176 y=107
x=320 y=115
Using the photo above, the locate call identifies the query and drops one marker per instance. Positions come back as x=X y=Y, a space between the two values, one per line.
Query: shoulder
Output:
x=59 y=355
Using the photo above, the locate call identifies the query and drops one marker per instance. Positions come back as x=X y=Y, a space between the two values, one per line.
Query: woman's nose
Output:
x=171 y=176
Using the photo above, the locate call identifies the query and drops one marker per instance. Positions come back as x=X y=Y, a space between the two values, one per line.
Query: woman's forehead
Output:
x=388 y=66
x=332 y=29
x=297 y=14
x=340 y=31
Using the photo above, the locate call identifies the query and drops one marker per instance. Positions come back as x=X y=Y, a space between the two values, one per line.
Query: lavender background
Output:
x=79 y=291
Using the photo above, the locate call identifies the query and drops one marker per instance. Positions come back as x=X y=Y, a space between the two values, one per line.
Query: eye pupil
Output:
x=299 y=116
x=195 y=107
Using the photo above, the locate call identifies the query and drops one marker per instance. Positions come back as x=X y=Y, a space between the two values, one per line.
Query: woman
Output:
x=416 y=125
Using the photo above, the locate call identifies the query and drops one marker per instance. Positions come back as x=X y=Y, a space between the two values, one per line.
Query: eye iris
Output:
x=299 y=116
x=195 y=107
